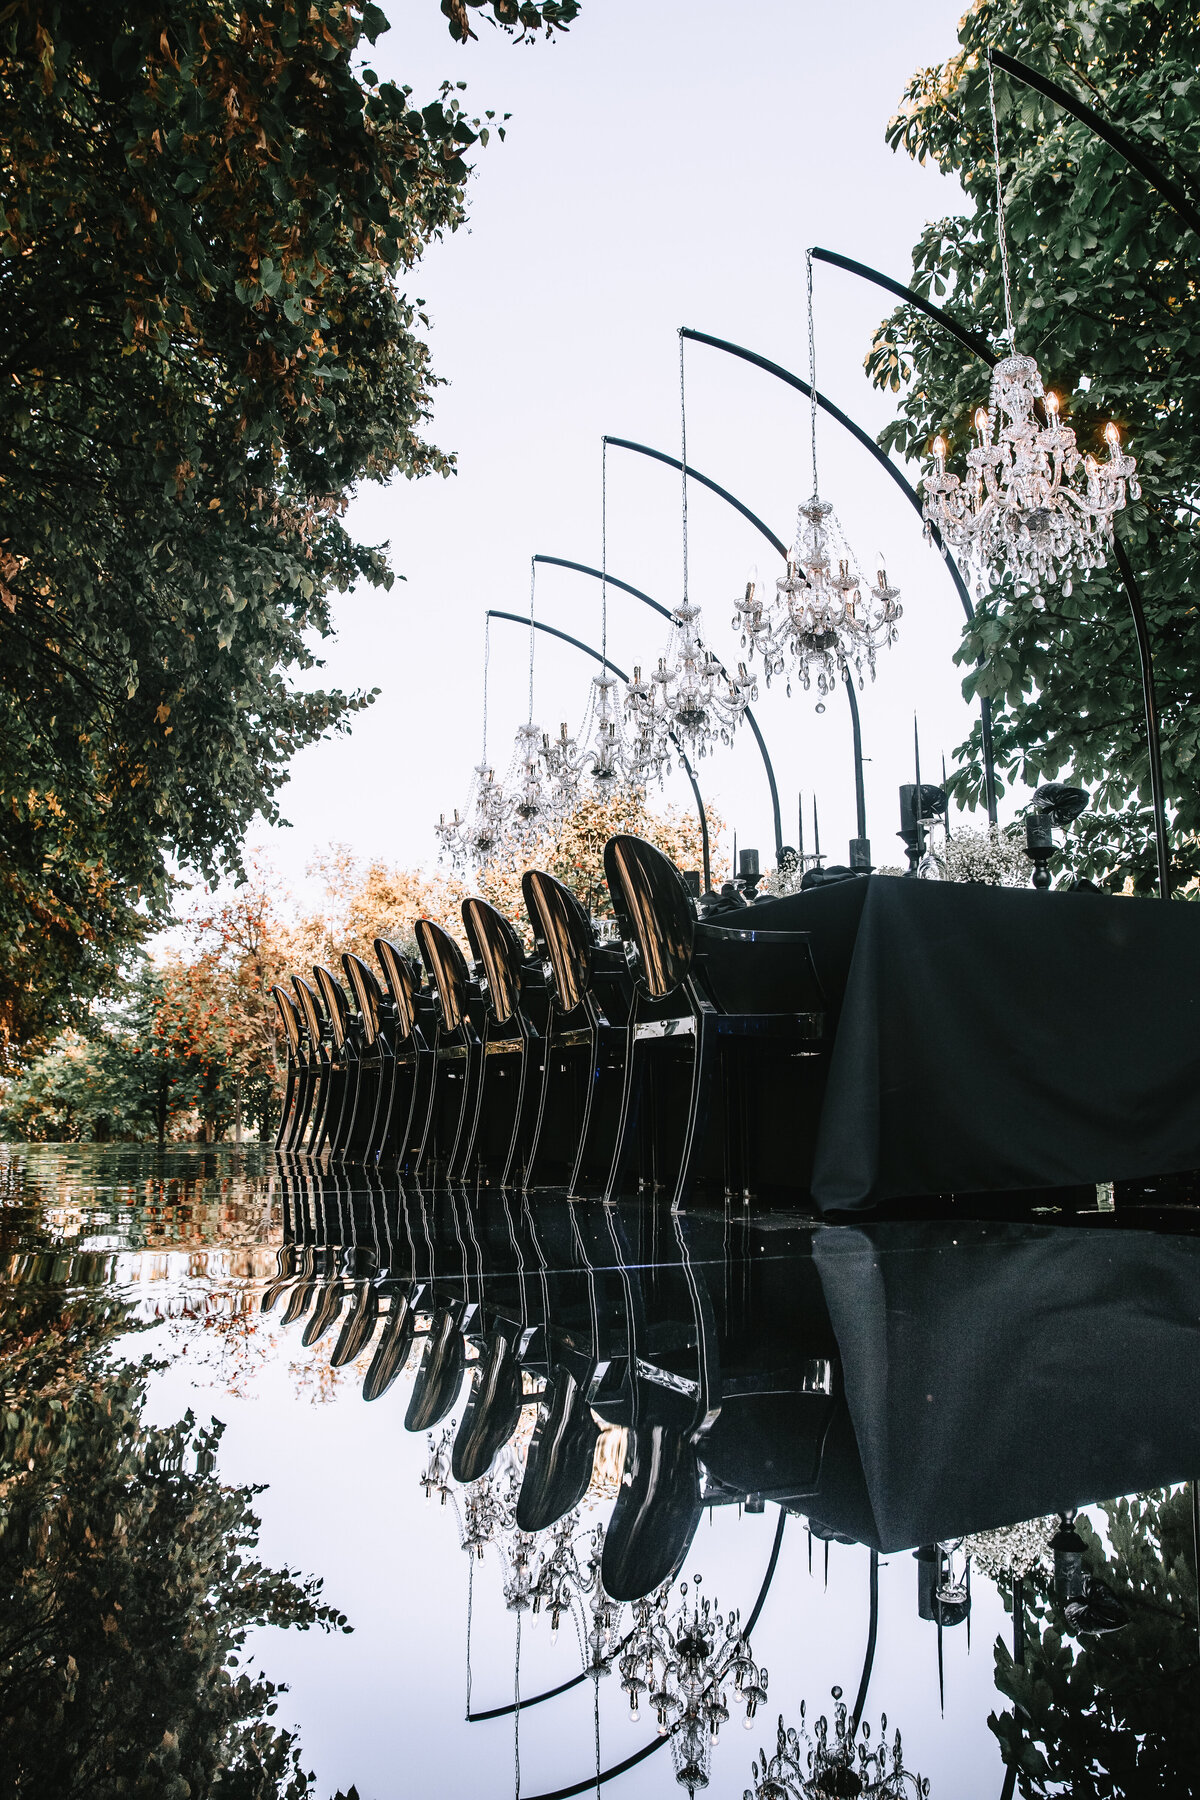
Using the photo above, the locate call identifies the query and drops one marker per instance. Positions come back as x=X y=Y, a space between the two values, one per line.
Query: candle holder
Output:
x=749 y=873
x=1039 y=845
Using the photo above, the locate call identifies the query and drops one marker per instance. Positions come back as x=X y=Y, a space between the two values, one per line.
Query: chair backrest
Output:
x=336 y=1004
x=653 y=911
x=312 y=1007
x=401 y=985
x=563 y=935
x=447 y=968
x=291 y=1022
x=367 y=992
x=497 y=949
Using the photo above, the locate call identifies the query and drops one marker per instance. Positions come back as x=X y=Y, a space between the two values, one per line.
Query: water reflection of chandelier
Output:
x=1031 y=506
x=824 y=1767
x=685 y=1667
x=824 y=619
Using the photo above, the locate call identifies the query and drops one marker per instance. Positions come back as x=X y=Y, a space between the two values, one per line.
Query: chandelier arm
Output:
x=1087 y=115
x=553 y=631
x=562 y=562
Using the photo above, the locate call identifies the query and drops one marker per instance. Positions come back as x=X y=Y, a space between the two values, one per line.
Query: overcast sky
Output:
x=666 y=164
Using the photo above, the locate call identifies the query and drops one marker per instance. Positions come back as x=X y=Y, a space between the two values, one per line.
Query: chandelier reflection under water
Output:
x=833 y=1763
x=1031 y=505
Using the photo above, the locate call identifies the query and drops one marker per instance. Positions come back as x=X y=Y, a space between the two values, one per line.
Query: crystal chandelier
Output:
x=690 y=698
x=686 y=1668
x=1031 y=505
x=824 y=619
x=822 y=1767
x=472 y=838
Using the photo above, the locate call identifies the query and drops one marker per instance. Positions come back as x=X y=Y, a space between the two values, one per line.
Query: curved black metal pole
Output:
x=986 y=354
x=561 y=562
x=872 y=1637
x=673 y=462
x=578 y=644
x=911 y=495
x=631 y=1762
x=1087 y=115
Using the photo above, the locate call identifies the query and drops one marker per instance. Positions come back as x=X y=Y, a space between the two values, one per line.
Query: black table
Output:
x=996 y=1039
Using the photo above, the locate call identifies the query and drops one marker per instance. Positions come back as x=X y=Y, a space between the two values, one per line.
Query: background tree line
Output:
x=189 y=1045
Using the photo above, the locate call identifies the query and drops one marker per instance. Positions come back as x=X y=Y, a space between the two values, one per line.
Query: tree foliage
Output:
x=1104 y=298
x=1113 y=1716
x=131 y=1583
x=207 y=213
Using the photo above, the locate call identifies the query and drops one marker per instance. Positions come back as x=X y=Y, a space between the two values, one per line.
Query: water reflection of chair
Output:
x=343 y=1063
x=317 y=1026
x=372 y=1056
x=404 y=1094
x=292 y=1111
x=502 y=1108
x=579 y=1100
x=676 y=1005
x=457 y=1051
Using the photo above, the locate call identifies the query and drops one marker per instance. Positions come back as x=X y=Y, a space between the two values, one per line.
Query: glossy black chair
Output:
x=316 y=1025
x=292 y=1107
x=343 y=1063
x=457 y=1051
x=698 y=1034
x=372 y=1058
x=503 y=1110
x=589 y=996
x=404 y=1095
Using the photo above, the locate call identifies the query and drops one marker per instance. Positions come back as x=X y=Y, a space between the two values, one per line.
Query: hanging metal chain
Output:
x=604 y=554
x=470 y=1610
x=517 y=1716
x=683 y=461
x=812 y=368
x=596 y=1688
x=532 y=633
x=487 y=657
x=1001 y=233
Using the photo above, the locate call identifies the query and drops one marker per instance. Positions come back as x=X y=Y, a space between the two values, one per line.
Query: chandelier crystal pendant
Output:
x=834 y=1762
x=473 y=837
x=1031 y=506
x=690 y=1669
x=825 y=621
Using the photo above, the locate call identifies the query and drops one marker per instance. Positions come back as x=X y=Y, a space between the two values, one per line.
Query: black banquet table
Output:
x=992 y=1039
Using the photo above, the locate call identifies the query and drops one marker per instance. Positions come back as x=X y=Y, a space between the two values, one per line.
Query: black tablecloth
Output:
x=1005 y=1372
x=992 y=1039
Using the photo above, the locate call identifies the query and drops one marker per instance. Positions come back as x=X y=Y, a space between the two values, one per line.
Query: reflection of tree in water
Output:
x=130 y=1584
x=1112 y=1714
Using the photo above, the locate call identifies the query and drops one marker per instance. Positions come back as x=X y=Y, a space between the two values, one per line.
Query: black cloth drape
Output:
x=993 y=1039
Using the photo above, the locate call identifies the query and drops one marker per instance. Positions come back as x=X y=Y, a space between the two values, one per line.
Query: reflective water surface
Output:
x=309 y=1481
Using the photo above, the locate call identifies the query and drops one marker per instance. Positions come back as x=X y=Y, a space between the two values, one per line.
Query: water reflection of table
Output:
x=997 y=1039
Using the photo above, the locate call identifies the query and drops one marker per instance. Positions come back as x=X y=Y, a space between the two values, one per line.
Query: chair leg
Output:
x=299 y=1120
x=529 y=1173
x=326 y=1078
x=704 y=1068
x=530 y=1101
x=470 y=1112
x=351 y=1102
x=631 y=1098
x=289 y=1102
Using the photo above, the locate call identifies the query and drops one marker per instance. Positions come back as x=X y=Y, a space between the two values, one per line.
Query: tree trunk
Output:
x=162 y=1109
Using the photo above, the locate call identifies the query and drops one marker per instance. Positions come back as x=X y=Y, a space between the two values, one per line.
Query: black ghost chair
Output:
x=404 y=1096
x=293 y=1109
x=692 y=1047
x=374 y=1058
x=589 y=993
x=343 y=1062
x=503 y=1109
x=457 y=1050
x=312 y=1009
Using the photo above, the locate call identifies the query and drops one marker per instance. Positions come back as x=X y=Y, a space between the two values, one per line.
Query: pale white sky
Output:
x=667 y=163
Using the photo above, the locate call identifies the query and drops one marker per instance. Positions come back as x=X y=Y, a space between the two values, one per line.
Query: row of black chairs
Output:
x=687 y=1054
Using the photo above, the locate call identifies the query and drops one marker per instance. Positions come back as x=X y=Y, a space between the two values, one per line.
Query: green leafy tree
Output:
x=1104 y=299
x=207 y=213
x=131 y=1583
x=1112 y=1716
